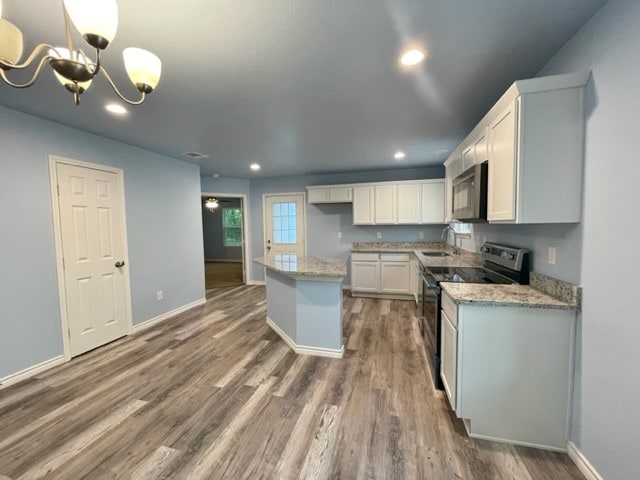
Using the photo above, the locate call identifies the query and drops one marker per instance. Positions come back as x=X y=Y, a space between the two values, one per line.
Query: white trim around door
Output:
x=54 y=161
x=246 y=233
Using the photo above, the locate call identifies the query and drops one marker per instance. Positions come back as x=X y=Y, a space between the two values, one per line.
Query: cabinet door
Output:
x=385 y=204
x=501 y=205
x=480 y=149
x=340 y=194
x=449 y=359
x=363 y=205
x=318 y=195
x=394 y=277
x=365 y=276
x=409 y=203
x=448 y=196
x=432 y=198
x=468 y=158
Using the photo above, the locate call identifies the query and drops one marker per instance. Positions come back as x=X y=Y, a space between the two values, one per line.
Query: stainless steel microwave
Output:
x=470 y=194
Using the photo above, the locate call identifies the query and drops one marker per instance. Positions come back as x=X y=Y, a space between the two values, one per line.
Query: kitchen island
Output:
x=304 y=302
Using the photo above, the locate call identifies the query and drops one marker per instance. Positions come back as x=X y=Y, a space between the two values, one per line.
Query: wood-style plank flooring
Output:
x=214 y=393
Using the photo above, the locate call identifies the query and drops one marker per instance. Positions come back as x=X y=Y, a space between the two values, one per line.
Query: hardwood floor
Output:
x=214 y=393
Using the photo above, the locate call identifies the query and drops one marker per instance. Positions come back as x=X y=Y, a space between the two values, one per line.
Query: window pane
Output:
x=276 y=209
x=292 y=236
x=277 y=236
x=231 y=217
x=292 y=209
x=233 y=237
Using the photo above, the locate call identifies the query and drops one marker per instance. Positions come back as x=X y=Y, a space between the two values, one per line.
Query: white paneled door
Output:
x=284 y=224
x=92 y=233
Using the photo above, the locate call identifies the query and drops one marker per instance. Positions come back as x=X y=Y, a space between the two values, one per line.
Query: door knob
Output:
x=120 y=264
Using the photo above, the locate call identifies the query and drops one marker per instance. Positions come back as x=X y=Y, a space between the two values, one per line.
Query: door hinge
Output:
x=69 y=332
x=58 y=188
x=63 y=264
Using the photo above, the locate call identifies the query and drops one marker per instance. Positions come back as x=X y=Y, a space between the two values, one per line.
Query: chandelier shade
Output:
x=97 y=20
x=143 y=68
x=11 y=43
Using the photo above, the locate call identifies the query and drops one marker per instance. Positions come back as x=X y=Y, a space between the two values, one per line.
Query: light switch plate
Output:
x=339 y=235
x=552 y=255
x=421 y=235
x=160 y=295
x=379 y=235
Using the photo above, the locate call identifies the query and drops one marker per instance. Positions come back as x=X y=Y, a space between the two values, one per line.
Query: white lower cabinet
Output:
x=449 y=358
x=381 y=274
x=507 y=371
x=395 y=275
x=365 y=272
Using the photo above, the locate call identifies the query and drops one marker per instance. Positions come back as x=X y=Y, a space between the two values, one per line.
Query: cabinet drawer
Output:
x=394 y=257
x=450 y=308
x=367 y=257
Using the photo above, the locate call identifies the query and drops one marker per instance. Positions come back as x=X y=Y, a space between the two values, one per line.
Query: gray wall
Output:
x=213 y=233
x=606 y=414
x=163 y=223
x=325 y=221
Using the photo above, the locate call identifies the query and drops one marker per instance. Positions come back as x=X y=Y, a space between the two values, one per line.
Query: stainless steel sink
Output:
x=436 y=254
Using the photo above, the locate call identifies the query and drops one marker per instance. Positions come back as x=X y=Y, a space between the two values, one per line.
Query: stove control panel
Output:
x=510 y=257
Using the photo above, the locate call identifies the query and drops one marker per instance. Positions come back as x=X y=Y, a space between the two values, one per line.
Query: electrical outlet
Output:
x=552 y=255
x=421 y=235
x=339 y=235
x=379 y=235
x=160 y=295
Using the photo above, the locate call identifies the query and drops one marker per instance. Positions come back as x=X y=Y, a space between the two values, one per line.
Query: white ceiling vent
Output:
x=195 y=155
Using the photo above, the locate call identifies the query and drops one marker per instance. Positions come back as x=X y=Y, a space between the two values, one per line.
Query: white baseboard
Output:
x=305 y=349
x=31 y=371
x=223 y=260
x=256 y=282
x=581 y=461
x=160 y=318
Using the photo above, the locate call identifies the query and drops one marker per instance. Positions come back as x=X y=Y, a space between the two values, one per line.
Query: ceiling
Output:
x=306 y=86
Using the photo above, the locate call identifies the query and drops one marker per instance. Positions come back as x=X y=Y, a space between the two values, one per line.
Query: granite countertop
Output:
x=299 y=265
x=463 y=259
x=503 y=295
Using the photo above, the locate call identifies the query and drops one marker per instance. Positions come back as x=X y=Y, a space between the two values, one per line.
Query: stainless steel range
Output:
x=501 y=264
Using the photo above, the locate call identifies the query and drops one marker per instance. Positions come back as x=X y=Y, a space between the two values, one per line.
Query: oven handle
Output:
x=429 y=281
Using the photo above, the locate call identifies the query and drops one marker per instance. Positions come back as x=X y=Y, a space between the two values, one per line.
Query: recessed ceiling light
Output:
x=399 y=155
x=412 y=57
x=255 y=167
x=115 y=108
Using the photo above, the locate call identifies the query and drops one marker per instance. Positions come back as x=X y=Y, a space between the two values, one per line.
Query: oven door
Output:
x=431 y=325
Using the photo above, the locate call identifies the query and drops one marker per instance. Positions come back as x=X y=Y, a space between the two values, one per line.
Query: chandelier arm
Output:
x=27 y=63
x=122 y=97
x=87 y=61
x=33 y=79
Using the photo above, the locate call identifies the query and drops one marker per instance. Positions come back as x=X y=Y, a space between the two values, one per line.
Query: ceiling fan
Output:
x=213 y=203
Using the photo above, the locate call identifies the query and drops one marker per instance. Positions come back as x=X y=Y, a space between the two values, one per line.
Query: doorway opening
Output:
x=224 y=229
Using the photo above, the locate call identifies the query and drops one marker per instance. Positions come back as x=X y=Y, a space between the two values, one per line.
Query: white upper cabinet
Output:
x=432 y=202
x=412 y=202
x=363 y=205
x=330 y=194
x=468 y=158
x=501 y=201
x=386 y=196
x=409 y=203
x=533 y=139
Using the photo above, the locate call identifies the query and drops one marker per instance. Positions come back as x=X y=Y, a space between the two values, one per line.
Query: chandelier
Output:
x=97 y=22
x=212 y=204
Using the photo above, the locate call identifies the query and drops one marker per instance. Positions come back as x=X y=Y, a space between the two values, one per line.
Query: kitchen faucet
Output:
x=445 y=237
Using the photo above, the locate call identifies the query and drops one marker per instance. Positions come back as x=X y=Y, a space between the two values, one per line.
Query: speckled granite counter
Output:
x=463 y=259
x=398 y=247
x=303 y=266
x=505 y=295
